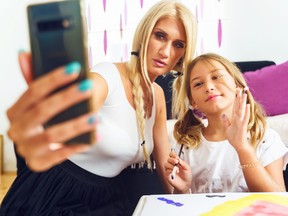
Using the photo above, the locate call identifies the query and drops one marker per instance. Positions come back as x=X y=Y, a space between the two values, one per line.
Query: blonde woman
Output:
x=81 y=180
x=226 y=145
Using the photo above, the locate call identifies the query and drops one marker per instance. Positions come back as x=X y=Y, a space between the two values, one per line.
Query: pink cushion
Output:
x=269 y=87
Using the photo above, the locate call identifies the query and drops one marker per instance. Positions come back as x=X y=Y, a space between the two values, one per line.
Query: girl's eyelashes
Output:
x=214 y=77
x=217 y=76
x=197 y=84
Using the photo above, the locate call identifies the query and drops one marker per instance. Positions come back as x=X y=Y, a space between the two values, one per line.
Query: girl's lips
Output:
x=211 y=97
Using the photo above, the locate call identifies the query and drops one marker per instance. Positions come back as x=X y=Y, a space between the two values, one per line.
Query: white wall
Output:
x=251 y=30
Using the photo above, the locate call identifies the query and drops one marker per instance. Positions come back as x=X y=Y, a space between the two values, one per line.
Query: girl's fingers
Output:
x=240 y=104
x=247 y=114
x=173 y=154
x=225 y=121
x=243 y=105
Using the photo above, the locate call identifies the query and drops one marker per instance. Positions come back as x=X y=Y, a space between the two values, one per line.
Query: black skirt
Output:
x=67 y=190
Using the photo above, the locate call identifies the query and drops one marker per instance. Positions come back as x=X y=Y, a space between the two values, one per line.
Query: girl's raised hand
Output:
x=236 y=127
x=42 y=147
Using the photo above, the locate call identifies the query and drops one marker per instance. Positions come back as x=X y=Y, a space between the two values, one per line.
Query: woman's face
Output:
x=213 y=89
x=166 y=46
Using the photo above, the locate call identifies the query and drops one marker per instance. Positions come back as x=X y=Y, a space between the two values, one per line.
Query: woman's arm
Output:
x=42 y=147
x=161 y=141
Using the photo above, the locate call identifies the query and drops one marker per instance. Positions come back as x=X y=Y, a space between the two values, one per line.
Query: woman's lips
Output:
x=159 y=63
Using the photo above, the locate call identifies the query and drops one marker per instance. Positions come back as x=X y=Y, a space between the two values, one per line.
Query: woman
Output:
x=82 y=180
x=233 y=151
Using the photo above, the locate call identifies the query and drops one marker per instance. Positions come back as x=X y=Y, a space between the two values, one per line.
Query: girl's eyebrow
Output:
x=211 y=72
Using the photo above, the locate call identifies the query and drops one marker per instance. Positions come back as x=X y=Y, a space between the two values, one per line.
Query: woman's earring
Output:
x=180 y=61
x=178 y=66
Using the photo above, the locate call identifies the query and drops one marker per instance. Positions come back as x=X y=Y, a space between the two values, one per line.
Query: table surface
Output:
x=210 y=204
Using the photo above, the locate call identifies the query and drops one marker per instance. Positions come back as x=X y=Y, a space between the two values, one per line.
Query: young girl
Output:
x=232 y=150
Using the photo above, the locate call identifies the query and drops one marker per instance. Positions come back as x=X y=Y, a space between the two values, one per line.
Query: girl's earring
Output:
x=196 y=112
x=245 y=89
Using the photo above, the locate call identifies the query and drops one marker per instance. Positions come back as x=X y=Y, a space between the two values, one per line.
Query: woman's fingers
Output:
x=52 y=158
x=25 y=61
x=69 y=129
x=56 y=103
x=36 y=141
x=42 y=87
x=45 y=149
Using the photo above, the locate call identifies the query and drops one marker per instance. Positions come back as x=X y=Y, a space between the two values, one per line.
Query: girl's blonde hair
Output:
x=188 y=127
x=137 y=66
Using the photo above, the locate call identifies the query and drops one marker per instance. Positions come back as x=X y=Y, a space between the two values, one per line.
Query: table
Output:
x=223 y=204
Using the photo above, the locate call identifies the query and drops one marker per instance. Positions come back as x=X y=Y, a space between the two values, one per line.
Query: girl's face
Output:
x=166 y=46
x=213 y=89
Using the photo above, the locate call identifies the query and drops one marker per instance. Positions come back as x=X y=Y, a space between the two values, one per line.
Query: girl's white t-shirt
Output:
x=215 y=165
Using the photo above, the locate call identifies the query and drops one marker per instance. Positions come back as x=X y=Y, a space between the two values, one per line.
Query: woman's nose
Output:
x=165 y=50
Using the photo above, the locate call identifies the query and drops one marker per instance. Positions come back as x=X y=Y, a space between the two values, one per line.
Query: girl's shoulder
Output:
x=271 y=140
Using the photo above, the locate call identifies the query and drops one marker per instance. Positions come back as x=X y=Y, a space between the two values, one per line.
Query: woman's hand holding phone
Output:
x=43 y=147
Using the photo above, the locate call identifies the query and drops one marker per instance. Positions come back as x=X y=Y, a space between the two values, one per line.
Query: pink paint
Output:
x=105 y=42
x=104 y=5
x=264 y=208
x=219 y=32
x=121 y=26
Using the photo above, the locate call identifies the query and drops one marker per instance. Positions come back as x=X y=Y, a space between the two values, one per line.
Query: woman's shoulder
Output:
x=159 y=92
x=103 y=66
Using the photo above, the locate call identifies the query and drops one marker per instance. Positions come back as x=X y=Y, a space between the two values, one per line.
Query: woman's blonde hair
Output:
x=137 y=66
x=188 y=127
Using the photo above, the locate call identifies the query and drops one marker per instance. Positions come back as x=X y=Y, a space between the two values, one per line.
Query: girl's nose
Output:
x=209 y=88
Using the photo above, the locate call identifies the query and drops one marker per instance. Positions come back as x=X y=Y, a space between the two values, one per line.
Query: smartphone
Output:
x=57 y=37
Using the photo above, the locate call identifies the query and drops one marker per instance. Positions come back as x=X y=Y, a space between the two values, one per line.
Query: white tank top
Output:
x=119 y=144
